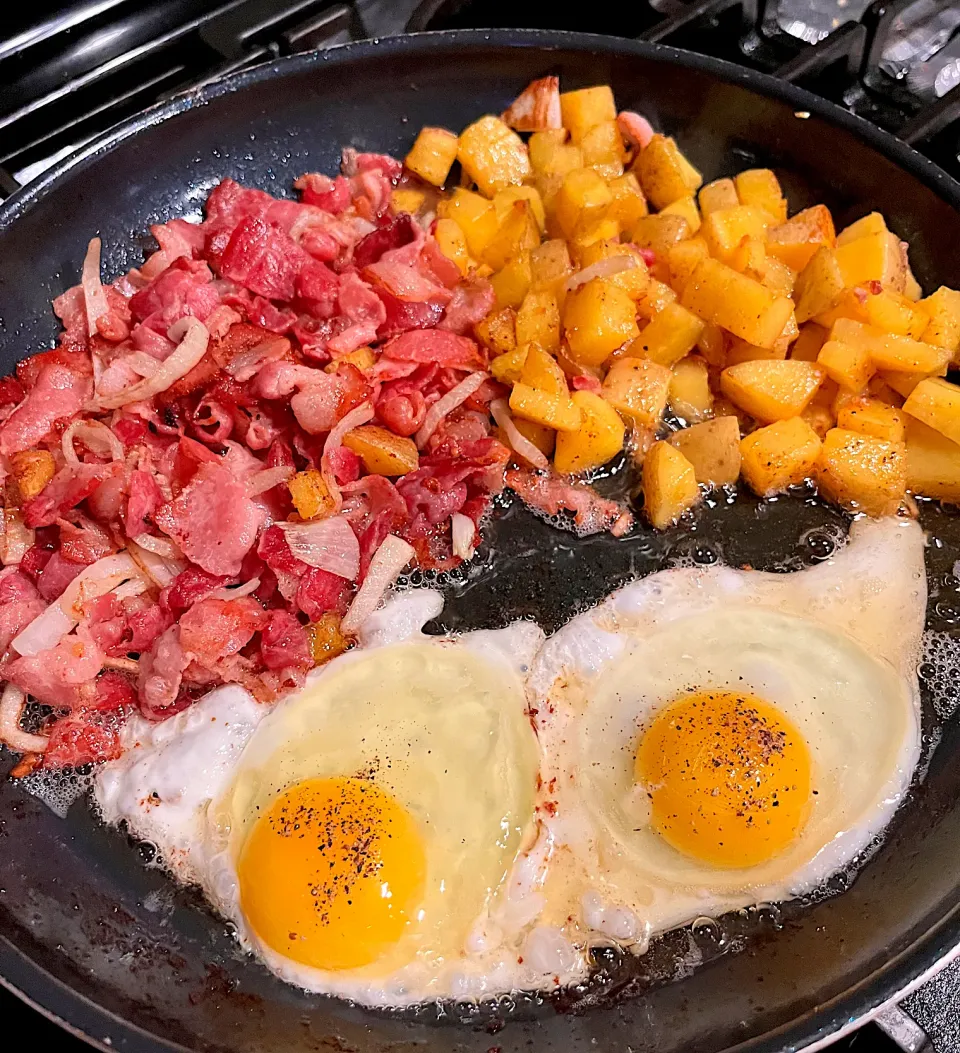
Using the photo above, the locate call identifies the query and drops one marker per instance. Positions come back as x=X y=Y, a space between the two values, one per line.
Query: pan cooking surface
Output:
x=98 y=938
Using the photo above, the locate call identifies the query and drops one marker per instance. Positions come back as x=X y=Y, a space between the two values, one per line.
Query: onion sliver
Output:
x=329 y=544
x=94 y=297
x=389 y=559
x=448 y=403
x=95 y=435
x=234 y=592
x=518 y=441
x=462 y=533
x=348 y=422
x=12 y=702
x=604 y=268
x=261 y=482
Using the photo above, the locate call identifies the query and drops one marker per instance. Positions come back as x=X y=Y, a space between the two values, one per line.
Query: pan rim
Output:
x=82 y=1016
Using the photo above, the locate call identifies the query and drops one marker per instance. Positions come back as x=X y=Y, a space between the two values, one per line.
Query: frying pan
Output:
x=107 y=945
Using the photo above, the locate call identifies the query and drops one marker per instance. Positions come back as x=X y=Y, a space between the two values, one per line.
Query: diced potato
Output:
x=512 y=282
x=493 y=155
x=326 y=639
x=720 y=194
x=585 y=109
x=807 y=345
x=771 y=390
x=659 y=233
x=682 y=260
x=933 y=463
x=655 y=298
x=713 y=448
x=602 y=149
x=407 y=199
x=669 y=485
x=628 y=204
x=310 y=495
x=32 y=469
x=634 y=280
x=382 y=452
x=740 y=351
x=873 y=258
x=583 y=196
x=873 y=223
x=936 y=402
x=551 y=266
x=591 y=233
x=887 y=311
x=862 y=473
x=725 y=228
x=943 y=310
x=542 y=145
x=541 y=371
x=544 y=438
x=795 y=241
x=432 y=155
x=686 y=207
x=554 y=411
x=690 y=397
x=873 y=417
x=760 y=188
x=664 y=173
x=670 y=335
x=719 y=294
x=453 y=243
x=779 y=456
x=538 y=320
x=518 y=233
x=498 y=331
x=750 y=258
x=474 y=215
x=505 y=199
x=507 y=367
x=889 y=352
x=713 y=345
x=596 y=441
x=851 y=367
x=597 y=319
x=819 y=285
x=638 y=389
x=878 y=388
x=901 y=383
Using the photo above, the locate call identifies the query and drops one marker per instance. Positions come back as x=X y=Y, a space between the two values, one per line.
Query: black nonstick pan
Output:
x=112 y=949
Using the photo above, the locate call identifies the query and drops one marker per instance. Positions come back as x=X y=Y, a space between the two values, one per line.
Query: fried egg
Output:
x=372 y=836
x=717 y=738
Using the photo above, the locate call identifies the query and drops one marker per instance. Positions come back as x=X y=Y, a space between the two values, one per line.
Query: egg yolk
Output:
x=728 y=776
x=332 y=873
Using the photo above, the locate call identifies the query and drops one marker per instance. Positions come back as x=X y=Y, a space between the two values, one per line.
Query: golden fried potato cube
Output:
x=933 y=463
x=659 y=233
x=664 y=173
x=936 y=402
x=656 y=296
x=669 y=336
x=498 y=331
x=592 y=232
x=513 y=281
x=602 y=149
x=541 y=370
x=751 y=258
x=851 y=367
x=760 y=188
x=873 y=223
x=517 y=233
x=721 y=193
x=889 y=352
x=682 y=260
x=795 y=240
x=713 y=345
x=686 y=207
x=779 y=456
x=690 y=396
x=507 y=367
x=740 y=351
x=543 y=407
x=873 y=258
x=808 y=343
x=453 y=243
x=772 y=389
x=542 y=147
x=382 y=452
x=628 y=204
x=901 y=383
x=493 y=155
x=538 y=320
x=819 y=285
x=583 y=196
x=432 y=155
x=504 y=200
x=638 y=389
x=598 y=438
x=725 y=228
x=327 y=641
x=888 y=311
x=598 y=318
x=718 y=294
x=585 y=109
x=669 y=485
x=407 y=199
x=862 y=473
x=943 y=310
x=32 y=469
x=713 y=448
x=634 y=279
x=870 y=416
x=474 y=215
x=310 y=495
x=544 y=438
x=551 y=266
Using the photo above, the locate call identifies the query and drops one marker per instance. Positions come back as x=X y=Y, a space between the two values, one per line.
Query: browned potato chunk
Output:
x=638 y=389
x=382 y=452
x=873 y=417
x=713 y=448
x=779 y=456
x=936 y=402
x=933 y=463
x=862 y=473
x=690 y=396
x=771 y=390
x=664 y=173
x=669 y=485
x=32 y=469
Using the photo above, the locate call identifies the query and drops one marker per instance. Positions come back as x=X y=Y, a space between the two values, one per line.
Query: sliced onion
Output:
x=261 y=482
x=125 y=665
x=133 y=587
x=518 y=441
x=142 y=363
x=12 y=702
x=96 y=436
x=389 y=559
x=94 y=297
x=604 y=268
x=17 y=537
x=462 y=533
x=245 y=365
x=351 y=420
x=329 y=544
x=234 y=592
x=159 y=546
x=161 y=571
x=192 y=347
x=63 y=614
x=449 y=402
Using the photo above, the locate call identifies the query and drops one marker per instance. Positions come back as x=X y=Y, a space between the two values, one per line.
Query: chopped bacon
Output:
x=400 y=231
x=58 y=393
x=284 y=642
x=191 y=586
x=552 y=494
x=184 y=289
x=361 y=306
x=71 y=485
x=144 y=497
x=402 y=317
x=11 y=391
x=160 y=677
x=20 y=603
x=57 y=573
x=436 y=346
x=471 y=302
x=91 y=733
x=332 y=195
x=83 y=541
x=213 y=629
x=264 y=259
x=586 y=382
